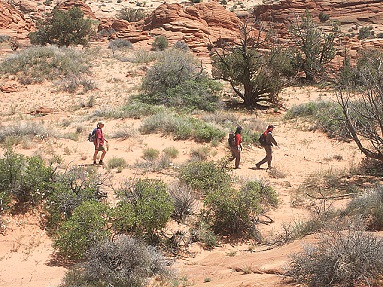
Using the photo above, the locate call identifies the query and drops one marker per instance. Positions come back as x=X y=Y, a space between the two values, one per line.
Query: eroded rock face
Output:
x=13 y=20
x=346 y=12
x=66 y=5
x=197 y=25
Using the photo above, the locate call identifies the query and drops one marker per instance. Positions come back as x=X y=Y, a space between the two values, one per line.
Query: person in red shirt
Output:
x=237 y=148
x=270 y=141
x=99 y=142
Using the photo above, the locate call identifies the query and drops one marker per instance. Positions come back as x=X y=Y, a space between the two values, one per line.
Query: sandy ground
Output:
x=25 y=249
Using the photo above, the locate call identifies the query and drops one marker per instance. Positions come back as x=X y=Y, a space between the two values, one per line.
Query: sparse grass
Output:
x=323 y=184
x=342 y=258
x=324 y=116
x=37 y=64
x=171 y=152
x=133 y=109
x=200 y=153
x=28 y=129
x=183 y=199
x=116 y=162
x=182 y=127
x=150 y=154
x=143 y=56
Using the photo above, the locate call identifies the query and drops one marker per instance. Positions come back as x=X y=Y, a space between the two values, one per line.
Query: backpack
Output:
x=92 y=135
x=262 y=139
x=231 y=139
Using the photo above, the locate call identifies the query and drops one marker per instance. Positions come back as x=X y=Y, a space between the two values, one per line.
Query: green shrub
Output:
x=160 y=43
x=116 y=162
x=202 y=231
x=86 y=228
x=120 y=43
x=171 y=152
x=176 y=79
x=151 y=154
x=70 y=189
x=325 y=116
x=234 y=212
x=204 y=176
x=37 y=64
x=24 y=181
x=369 y=205
x=151 y=203
x=323 y=17
x=123 y=262
x=63 y=28
x=131 y=15
x=351 y=258
x=181 y=126
x=365 y=33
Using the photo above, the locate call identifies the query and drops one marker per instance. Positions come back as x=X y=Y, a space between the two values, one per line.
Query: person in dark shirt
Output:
x=270 y=141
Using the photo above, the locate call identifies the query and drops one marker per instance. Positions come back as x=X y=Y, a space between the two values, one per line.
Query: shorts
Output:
x=100 y=148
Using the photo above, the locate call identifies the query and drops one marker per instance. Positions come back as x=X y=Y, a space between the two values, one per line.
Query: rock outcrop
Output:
x=197 y=25
x=66 y=5
x=345 y=12
x=13 y=22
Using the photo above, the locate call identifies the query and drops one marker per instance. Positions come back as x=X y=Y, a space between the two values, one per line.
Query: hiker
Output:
x=99 y=144
x=236 y=148
x=267 y=144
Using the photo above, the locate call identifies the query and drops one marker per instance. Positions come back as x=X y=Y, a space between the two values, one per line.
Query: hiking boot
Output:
x=100 y=162
x=94 y=162
x=257 y=166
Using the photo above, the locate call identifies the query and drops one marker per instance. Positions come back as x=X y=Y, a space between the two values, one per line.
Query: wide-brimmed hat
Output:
x=100 y=123
x=270 y=127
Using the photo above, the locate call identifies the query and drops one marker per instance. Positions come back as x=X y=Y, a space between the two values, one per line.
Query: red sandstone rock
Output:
x=13 y=20
x=66 y=5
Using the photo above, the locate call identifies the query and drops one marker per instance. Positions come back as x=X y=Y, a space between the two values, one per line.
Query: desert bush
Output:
x=171 y=152
x=351 y=258
x=298 y=229
x=123 y=262
x=366 y=32
x=176 y=79
x=160 y=43
x=70 y=189
x=123 y=218
x=323 y=17
x=87 y=227
x=234 y=212
x=142 y=56
x=132 y=109
x=120 y=43
x=325 y=116
x=371 y=167
x=63 y=28
x=181 y=45
x=131 y=15
x=182 y=127
x=202 y=231
x=36 y=64
x=204 y=176
x=150 y=154
x=151 y=203
x=24 y=181
x=116 y=162
x=183 y=199
x=28 y=129
x=200 y=153
x=369 y=205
